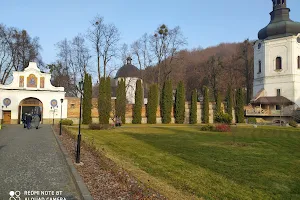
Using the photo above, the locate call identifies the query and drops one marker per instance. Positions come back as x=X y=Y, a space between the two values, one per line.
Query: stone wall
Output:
x=73 y=111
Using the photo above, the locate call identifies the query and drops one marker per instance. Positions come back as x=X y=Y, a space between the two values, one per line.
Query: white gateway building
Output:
x=31 y=91
x=276 y=86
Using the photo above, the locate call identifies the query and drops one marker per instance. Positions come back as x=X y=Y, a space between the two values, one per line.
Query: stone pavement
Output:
x=31 y=160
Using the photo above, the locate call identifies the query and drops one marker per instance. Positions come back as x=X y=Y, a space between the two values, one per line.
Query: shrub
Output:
x=229 y=101
x=193 y=111
x=293 y=124
x=87 y=99
x=207 y=128
x=137 y=108
x=152 y=104
x=67 y=122
x=252 y=120
x=240 y=106
x=223 y=118
x=121 y=100
x=100 y=126
x=223 y=128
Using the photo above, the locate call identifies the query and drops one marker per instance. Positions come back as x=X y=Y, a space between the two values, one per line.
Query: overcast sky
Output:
x=203 y=22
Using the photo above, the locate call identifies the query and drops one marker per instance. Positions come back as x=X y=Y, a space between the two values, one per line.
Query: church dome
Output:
x=128 y=70
x=280 y=25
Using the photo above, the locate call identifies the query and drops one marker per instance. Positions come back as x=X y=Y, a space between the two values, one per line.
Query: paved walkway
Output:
x=30 y=160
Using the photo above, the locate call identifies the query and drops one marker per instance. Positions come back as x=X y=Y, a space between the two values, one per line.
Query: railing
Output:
x=265 y=112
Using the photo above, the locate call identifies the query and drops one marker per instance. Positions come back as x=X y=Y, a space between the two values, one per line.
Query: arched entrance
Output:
x=30 y=105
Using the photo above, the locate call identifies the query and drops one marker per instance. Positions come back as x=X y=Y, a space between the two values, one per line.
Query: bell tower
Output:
x=277 y=54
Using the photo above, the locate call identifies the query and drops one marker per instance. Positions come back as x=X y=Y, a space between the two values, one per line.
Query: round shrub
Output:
x=252 y=120
x=67 y=122
x=207 y=128
x=293 y=124
x=223 y=118
x=100 y=126
x=223 y=128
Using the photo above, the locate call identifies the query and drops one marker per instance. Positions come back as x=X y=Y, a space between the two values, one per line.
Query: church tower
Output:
x=277 y=56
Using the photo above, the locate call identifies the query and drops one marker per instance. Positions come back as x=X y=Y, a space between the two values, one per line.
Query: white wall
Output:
x=16 y=94
x=287 y=79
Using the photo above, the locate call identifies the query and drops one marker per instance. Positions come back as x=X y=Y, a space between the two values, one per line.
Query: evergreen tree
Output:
x=218 y=103
x=205 y=118
x=121 y=100
x=87 y=99
x=152 y=104
x=107 y=100
x=166 y=102
x=102 y=101
x=137 y=109
x=193 y=109
x=240 y=106
x=179 y=104
x=229 y=101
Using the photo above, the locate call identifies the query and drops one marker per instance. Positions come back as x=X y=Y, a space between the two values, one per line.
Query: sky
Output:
x=204 y=23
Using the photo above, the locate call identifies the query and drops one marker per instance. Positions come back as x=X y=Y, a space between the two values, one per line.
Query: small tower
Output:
x=276 y=54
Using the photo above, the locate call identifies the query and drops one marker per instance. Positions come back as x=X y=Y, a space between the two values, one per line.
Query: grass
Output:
x=185 y=163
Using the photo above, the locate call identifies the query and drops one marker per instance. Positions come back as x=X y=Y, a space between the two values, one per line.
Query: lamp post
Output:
x=79 y=126
x=1 y=117
x=61 y=101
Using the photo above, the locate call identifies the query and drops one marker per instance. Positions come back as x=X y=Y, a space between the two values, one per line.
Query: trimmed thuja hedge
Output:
x=205 y=117
x=166 y=102
x=240 y=106
x=121 y=100
x=180 y=104
x=229 y=101
x=152 y=104
x=104 y=100
x=193 y=111
x=137 y=108
x=87 y=99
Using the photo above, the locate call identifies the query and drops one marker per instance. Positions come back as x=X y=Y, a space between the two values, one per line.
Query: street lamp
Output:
x=79 y=126
x=1 y=118
x=61 y=101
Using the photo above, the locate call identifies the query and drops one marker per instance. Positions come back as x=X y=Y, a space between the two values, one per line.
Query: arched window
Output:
x=298 y=62
x=278 y=63
x=259 y=67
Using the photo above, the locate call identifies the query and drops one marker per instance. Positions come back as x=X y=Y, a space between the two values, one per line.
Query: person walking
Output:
x=28 y=120
x=36 y=121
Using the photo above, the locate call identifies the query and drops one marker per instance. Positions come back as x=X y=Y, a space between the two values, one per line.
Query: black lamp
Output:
x=61 y=101
x=79 y=126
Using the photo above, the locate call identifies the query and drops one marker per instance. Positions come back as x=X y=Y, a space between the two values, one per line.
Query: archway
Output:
x=30 y=105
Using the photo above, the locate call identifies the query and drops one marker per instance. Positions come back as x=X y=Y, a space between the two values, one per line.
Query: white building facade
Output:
x=31 y=91
x=277 y=56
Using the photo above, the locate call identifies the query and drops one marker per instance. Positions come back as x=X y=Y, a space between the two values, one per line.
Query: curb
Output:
x=80 y=185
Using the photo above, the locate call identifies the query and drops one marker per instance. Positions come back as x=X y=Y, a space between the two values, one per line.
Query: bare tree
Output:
x=165 y=44
x=140 y=49
x=125 y=53
x=108 y=50
x=213 y=70
x=95 y=35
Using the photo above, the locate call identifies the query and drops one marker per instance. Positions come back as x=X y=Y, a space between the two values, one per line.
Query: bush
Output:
x=293 y=124
x=100 y=126
x=252 y=120
x=223 y=128
x=223 y=118
x=67 y=122
x=207 y=128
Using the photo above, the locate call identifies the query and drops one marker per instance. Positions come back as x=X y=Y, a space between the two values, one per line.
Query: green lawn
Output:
x=185 y=163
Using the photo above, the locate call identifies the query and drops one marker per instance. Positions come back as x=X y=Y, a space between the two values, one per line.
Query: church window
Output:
x=259 y=67
x=72 y=106
x=278 y=107
x=298 y=62
x=278 y=92
x=278 y=63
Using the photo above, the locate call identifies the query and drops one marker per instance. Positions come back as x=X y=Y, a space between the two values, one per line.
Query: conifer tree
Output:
x=107 y=100
x=193 y=109
x=121 y=100
x=152 y=104
x=87 y=99
x=240 y=106
x=137 y=109
x=166 y=102
x=179 y=104
x=102 y=101
x=229 y=101
x=205 y=117
x=218 y=103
